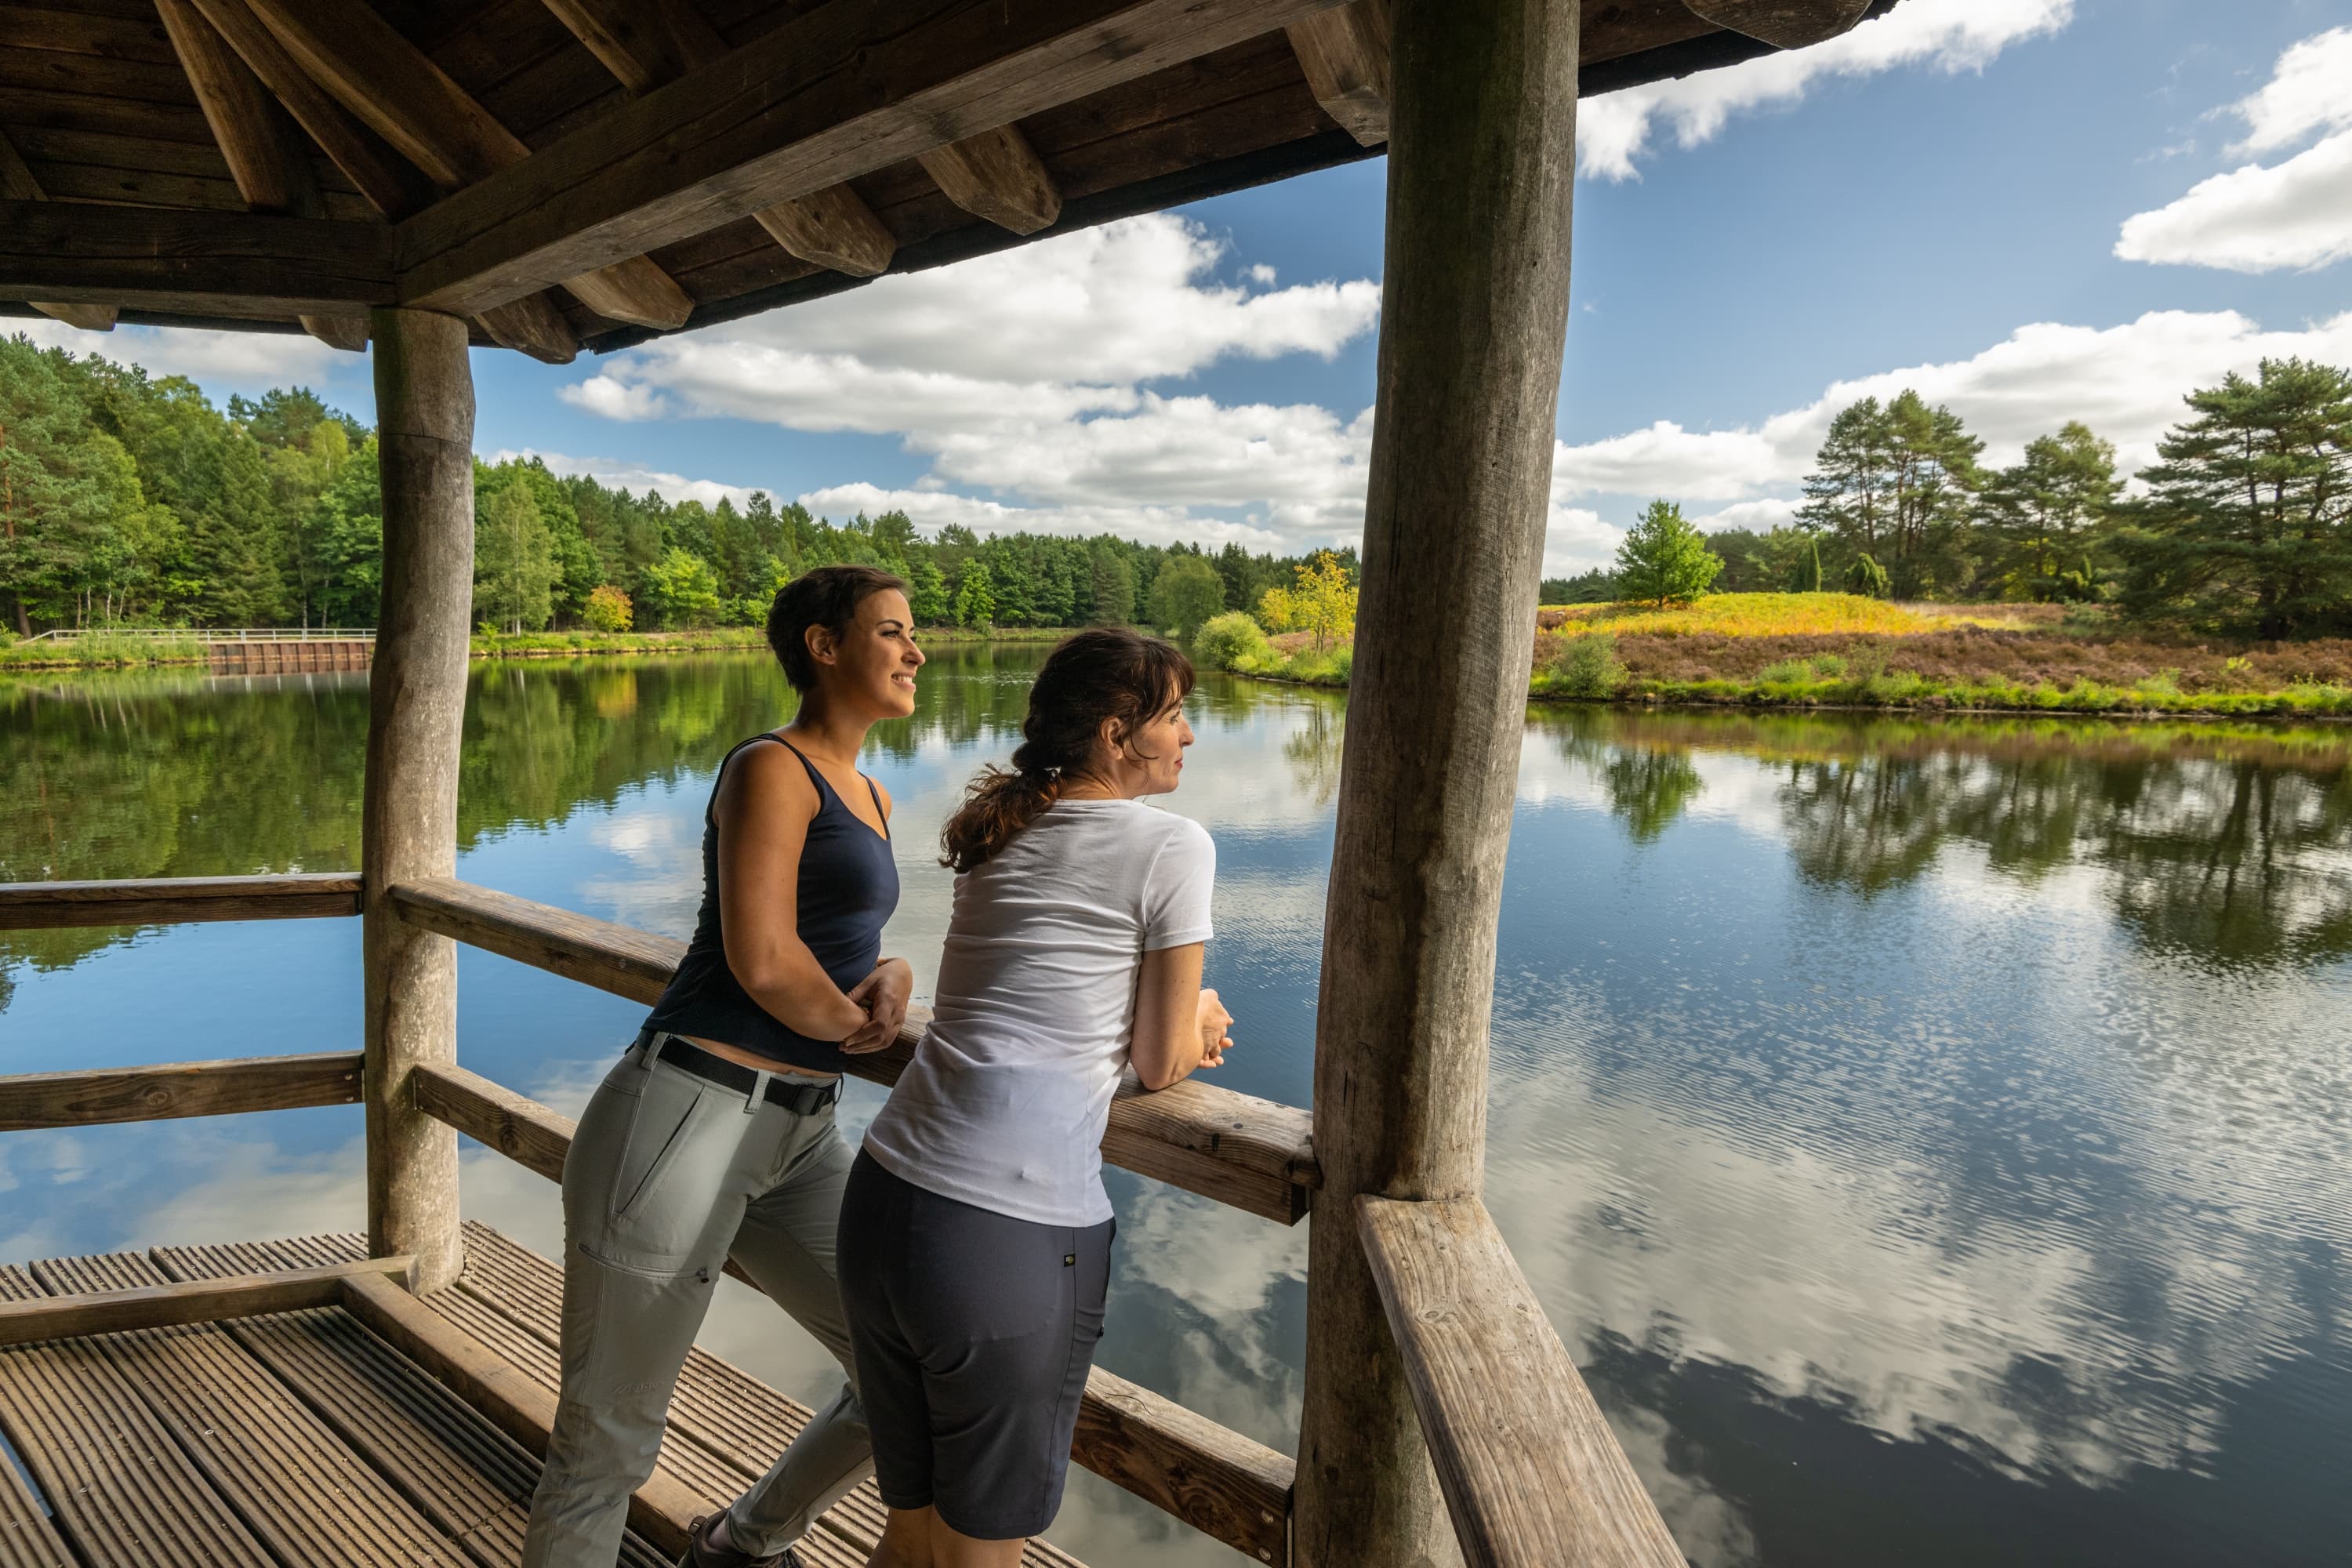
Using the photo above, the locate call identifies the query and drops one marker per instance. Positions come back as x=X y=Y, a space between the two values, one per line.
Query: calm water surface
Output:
x=1931 y=1138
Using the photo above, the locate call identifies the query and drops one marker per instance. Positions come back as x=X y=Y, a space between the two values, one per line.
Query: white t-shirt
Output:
x=1004 y=1104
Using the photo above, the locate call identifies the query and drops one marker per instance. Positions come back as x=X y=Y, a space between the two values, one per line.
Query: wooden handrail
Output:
x=1252 y=1153
x=1221 y=1483
x=95 y=1096
x=194 y=1301
x=168 y=900
x=1532 y=1475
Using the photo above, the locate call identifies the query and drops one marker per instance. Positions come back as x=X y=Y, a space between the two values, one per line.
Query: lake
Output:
x=1933 y=1139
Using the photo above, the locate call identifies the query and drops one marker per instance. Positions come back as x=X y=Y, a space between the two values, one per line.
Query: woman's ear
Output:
x=821 y=643
x=1112 y=739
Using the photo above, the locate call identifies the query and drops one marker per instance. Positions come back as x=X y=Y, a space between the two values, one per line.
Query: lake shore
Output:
x=103 y=652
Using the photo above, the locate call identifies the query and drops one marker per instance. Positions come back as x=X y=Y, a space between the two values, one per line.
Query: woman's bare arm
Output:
x=1179 y=1027
x=765 y=805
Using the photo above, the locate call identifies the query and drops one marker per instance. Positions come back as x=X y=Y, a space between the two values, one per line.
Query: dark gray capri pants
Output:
x=973 y=1333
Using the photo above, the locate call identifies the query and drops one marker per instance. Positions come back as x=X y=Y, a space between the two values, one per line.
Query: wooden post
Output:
x=1481 y=165
x=416 y=705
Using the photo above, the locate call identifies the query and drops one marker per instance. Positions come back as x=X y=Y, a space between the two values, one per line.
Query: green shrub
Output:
x=1788 y=672
x=1588 y=667
x=1225 y=641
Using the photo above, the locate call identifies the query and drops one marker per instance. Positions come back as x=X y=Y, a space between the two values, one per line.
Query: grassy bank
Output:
x=1838 y=650
x=103 y=651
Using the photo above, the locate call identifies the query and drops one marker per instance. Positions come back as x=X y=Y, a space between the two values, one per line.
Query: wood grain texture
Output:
x=254 y=133
x=534 y=325
x=1250 y=1154
x=648 y=45
x=516 y=1126
x=17 y=185
x=1532 y=1475
x=1783 y=24
x=1473 y=312
x=66 y=1317
x=660 y=1510
x=387 y=82
x=166 y=900
x=170 y=259
x=1221 y=1483
x=999 y=176
x=1344 y=55
x=848 y=87
x=96 y=1096
x=408 y=809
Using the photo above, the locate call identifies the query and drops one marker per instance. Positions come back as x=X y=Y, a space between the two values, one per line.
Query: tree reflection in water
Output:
x=2221 y=844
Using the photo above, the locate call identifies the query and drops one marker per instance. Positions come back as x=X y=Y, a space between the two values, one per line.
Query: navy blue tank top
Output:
x=848 y=888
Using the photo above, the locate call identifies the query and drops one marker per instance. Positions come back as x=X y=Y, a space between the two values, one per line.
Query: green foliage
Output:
x=1231 y=641
x=1185 y=593
x=607 y=610
x=1866 y=577
x=976 y=600
x=1897 y=481
x=1593 y=587
x=680 y=590
x=2049 y=508
x=1664 y=559
x=927 y=595
x=2249 y=519
x=1113 y=582
x=1323 y=600
x=514 y=561
x=1586 y=666
x=1809 y=567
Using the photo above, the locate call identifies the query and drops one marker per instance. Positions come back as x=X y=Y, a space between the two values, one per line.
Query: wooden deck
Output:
x=306 y=1438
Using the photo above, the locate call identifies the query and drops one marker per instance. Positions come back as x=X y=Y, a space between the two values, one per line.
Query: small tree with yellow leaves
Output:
x=1324 y=601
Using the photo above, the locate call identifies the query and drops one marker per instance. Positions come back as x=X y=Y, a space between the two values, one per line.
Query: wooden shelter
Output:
x=553 y=175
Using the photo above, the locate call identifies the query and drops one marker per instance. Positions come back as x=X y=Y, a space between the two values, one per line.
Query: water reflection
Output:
x=1930 y=1137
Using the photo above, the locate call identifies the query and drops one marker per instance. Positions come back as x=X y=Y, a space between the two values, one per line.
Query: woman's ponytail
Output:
x=1096 y=675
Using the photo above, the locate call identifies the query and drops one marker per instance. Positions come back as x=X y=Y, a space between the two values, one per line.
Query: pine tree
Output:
x=1664 y=559
x=1114 y=585
x=976 y=598
x=2249 y=521
x=2047 y=509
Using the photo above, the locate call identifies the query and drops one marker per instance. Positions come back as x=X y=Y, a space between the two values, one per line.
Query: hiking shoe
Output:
x=700 y=1553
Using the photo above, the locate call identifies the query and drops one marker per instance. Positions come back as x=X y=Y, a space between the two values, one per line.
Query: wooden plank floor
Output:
x=725 y=1426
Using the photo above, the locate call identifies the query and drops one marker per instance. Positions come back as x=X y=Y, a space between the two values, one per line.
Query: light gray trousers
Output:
x=669 y=1176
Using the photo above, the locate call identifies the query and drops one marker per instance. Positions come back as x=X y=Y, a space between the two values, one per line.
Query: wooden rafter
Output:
x=533 y=324
x=844 y=89
x=1344 y=55
x=257 y=140
x=649 y=46
x=17 y=185
x=999 y=176
x=198 y=263
x=389 y=84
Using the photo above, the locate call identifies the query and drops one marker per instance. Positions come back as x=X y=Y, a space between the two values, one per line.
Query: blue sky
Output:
x=2035 y=210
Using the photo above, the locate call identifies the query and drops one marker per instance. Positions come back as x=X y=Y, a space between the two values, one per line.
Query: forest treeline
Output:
x=127 y=499
x=2243 y=525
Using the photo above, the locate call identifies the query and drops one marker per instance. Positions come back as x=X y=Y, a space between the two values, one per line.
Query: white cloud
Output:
x=2297 y=214
x=2125 y=381
x=1950 y=35
x=2310 y=90
x=2267 y=217
x=617 y=474
x=221 y=363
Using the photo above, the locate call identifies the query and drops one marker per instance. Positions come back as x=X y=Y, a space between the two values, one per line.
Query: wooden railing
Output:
x=1530 y=1472
x=212 y=633
x=1533 y=1477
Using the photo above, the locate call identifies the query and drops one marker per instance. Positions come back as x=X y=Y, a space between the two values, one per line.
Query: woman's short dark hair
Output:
x=827 y=596
x=1102 y=673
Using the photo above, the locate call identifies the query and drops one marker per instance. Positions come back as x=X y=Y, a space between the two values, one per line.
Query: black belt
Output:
x=801 y=1099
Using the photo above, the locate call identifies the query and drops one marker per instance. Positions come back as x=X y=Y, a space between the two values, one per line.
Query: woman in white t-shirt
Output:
x=975 y=1234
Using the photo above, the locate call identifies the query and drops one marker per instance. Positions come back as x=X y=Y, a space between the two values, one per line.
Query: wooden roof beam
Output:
x=1344 y=55
x=196 y=263
x=848 y=87
x=1783 y=24
x=391 y=85
x=533 y=324
x=647 y=45
x=257 y=140
x=997 y=175
x=17 y=185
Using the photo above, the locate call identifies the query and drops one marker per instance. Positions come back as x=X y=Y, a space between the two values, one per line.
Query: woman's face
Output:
x=873 y=664
x=1150 y=760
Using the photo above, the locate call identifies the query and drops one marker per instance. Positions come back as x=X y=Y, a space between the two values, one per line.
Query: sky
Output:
x=2030 y=210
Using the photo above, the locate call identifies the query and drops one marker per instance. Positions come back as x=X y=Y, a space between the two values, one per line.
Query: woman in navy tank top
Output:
x=713 y=1137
